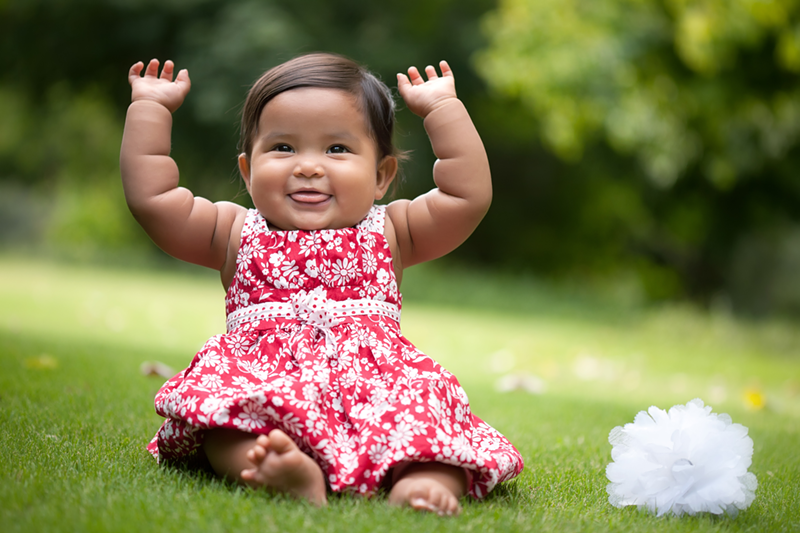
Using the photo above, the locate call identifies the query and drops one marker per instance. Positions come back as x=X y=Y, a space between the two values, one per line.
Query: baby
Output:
x=313 y=387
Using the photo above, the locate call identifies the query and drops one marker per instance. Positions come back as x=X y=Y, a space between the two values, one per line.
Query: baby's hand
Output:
x=421 y=96
x=161 y=89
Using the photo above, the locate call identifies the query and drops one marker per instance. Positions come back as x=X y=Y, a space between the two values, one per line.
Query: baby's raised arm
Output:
x=187 y=227
x=437 y=222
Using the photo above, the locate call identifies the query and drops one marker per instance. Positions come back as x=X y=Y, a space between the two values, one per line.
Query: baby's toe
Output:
x=422 y=504
x=439 y=500
x=280 y=441
x=256 y=454
x=251 y=474
x=452 y=507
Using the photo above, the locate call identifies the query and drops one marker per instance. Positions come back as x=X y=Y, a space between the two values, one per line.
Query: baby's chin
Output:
x=311 y=225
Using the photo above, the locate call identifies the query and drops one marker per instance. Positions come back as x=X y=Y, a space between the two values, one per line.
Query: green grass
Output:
x=76 y=413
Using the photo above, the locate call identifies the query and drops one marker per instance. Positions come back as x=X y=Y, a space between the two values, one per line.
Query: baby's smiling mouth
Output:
x=309 y=197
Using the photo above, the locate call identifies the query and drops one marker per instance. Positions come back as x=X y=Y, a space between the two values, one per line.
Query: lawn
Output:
x=76 y=411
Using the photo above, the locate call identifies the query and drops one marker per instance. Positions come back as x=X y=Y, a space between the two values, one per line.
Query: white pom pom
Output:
x=687 y=460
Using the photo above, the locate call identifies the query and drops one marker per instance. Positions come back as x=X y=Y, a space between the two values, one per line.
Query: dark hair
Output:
x=327 y=71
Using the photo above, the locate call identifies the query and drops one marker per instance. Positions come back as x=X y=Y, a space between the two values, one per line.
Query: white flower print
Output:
x=311 y=269
x=378 y=453
x=462 y=448
x=237 y=345
x=400 y=436
x=254 y=368
x=411 y=394
x=348 y=379
x=382 y=276
x=291 y=423
x=366 y=337
x=211 y=381
x=216 y=360
x=309 y=243
x=368 y=263
x=189 y=404
x=311 y=393
x=245 y=256
x=367 y=239
x=213 y=403
x=253 y=416
x=315 y=424
x=289 y=270
x=243 y=300
x=343 y=271
x=307 y=374
x=265 y=295
x=243 y=384
x=276 y=258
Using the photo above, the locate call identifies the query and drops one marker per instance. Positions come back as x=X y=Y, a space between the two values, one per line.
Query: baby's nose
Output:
x=309 y=167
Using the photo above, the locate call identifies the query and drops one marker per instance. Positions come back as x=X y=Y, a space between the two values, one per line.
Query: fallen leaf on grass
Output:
x=43 y=362
x=156 y=368
x=526 y=382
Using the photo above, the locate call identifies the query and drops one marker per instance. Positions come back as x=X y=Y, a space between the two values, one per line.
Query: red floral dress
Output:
x=313 y=347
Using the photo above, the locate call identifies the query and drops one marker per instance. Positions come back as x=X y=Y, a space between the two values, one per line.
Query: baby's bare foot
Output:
x=280 y=465
x=433 y=488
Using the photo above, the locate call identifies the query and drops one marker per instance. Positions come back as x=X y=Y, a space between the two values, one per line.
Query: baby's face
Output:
x=314 y=165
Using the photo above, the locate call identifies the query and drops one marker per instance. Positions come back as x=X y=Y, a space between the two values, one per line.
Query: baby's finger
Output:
x=402 y=82
x=152 y=69
x=414 y=75
x=135 y=71
x=446 y=70
x=166 y=72
x=430 y=71
x=183 y=76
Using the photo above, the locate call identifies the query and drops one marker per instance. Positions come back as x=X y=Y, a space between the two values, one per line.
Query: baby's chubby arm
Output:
x=438 y=221
x=187 y=227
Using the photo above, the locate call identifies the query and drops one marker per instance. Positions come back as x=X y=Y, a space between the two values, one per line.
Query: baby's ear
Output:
x=244 y=170
x=387 y=170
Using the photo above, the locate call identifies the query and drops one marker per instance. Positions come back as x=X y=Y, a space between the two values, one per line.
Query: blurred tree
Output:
x=700 y=99
x=83 y=49
x=658 y=137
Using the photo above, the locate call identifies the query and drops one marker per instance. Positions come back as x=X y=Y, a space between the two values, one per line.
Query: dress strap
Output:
x=374 y=221
x=314 y=308
x=254 y=223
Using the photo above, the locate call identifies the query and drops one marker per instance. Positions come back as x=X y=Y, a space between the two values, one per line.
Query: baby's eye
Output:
x=282 y=148
x=338 y=149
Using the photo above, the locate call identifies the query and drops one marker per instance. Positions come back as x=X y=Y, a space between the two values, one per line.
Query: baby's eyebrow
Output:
x=342 y=135
x=275 y=135
x=331 y=136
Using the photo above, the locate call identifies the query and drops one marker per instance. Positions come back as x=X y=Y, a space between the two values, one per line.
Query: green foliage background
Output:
x=645 y=145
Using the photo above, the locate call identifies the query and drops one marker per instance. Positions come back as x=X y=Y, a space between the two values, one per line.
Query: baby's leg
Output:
x=434 y=487
x=272 y=461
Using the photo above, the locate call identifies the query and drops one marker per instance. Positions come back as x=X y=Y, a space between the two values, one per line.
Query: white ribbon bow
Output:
x=315 y=309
